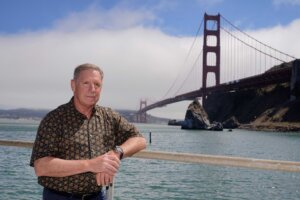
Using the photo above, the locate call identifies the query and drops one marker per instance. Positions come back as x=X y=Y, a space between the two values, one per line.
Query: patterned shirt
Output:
x=67 y=134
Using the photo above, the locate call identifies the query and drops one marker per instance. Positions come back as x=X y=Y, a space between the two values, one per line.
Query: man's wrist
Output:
x=119 y=151
x=87 y=165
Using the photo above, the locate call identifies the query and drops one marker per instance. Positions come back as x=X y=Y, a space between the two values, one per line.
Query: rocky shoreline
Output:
x=282 y=117
x=274 y=107
x=272 y=127
x=264 y=109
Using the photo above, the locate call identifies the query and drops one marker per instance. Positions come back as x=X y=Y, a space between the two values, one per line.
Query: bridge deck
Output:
x=281 y=75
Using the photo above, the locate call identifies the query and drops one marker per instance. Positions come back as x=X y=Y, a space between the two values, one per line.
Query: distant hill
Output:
x=38 y=114
x=23 y=113
x=130 y=116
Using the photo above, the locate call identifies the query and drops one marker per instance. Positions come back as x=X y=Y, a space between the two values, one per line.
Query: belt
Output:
x=84 y=196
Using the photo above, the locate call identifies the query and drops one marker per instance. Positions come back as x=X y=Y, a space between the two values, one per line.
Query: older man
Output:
x=79 y=145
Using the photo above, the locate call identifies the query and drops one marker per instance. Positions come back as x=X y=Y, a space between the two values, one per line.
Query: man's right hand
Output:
x=107 y=164
x=104 y=179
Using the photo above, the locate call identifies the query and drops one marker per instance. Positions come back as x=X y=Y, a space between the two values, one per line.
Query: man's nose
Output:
x=92 y=87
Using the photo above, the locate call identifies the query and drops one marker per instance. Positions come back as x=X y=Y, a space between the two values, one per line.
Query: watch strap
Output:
x=120 y=151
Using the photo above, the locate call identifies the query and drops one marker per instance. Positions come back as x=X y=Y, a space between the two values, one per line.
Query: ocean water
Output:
x=154 y=179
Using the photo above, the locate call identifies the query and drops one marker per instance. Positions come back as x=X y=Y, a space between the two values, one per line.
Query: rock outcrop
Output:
x=174 y=122
x=216 y=126
x=197 y=118
x=231 y=123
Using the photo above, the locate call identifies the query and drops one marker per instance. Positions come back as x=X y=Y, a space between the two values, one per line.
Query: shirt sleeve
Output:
x=47 y=140
x=124 y=129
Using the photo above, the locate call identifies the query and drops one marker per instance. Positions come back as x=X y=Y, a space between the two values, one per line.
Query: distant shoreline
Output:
x=20 y=120
x=36 y=115
x=272 y=127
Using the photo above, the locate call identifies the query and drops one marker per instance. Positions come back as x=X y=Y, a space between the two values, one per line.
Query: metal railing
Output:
x=280 y=165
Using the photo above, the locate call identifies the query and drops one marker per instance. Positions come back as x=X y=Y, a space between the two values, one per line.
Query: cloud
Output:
x=286 y=2
x=239 y=60
x=95 y=17
x=209 y=2
x=37 y=66
x=139 y=61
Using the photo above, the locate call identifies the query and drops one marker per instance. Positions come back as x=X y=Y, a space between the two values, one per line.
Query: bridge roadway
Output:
x=280 y=75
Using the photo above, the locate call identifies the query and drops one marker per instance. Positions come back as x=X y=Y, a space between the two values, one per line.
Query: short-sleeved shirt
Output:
x=67 y=134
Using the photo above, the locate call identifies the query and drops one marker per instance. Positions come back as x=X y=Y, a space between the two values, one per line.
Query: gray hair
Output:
x=87 y=66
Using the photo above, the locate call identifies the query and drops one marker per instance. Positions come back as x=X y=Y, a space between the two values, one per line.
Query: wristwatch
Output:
x=119 y=151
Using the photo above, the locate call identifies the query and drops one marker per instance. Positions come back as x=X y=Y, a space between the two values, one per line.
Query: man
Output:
x=79 y=145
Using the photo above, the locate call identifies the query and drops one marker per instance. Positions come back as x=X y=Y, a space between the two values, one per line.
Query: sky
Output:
x=140 y=44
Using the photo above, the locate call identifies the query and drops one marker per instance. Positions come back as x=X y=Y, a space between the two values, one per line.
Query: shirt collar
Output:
x=95 y=111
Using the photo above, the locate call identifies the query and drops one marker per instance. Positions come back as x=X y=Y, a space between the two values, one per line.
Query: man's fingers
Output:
x=105 y=163
x=103 y=179
x=111 y=164
x=113 y=158
x=98 y=180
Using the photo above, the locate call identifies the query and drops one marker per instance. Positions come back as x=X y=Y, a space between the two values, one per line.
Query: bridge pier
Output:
x=295 y=80
x=211 y=52
x=141 y=117
x=204 y=98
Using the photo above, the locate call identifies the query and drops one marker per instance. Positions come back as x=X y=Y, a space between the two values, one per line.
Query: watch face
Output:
x=119 y=150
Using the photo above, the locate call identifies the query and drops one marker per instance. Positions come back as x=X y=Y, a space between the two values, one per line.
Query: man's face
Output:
x=87 y=88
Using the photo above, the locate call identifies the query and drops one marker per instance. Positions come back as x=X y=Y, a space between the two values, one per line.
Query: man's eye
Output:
x=85 y=84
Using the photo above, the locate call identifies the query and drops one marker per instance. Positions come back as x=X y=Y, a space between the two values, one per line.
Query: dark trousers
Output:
x=53 y=195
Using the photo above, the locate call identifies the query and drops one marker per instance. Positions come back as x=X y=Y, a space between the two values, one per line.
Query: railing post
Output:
x=110 y=192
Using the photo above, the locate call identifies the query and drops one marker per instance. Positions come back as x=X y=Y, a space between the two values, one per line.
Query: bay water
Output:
x=155 y=179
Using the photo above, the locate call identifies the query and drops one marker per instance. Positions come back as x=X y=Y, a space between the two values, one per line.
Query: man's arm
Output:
x=130 y=147
x=133 y=145
x=55 y=167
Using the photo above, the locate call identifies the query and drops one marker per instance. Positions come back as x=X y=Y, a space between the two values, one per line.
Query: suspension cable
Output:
x=186 y=78
x=186 y=58
x=252 y=46
x=258 y=40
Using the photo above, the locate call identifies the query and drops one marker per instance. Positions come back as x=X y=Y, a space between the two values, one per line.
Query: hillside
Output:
x=267 y=108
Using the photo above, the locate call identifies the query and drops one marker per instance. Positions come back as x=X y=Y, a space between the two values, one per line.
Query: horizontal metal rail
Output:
x=16 y=143
x=279 y=165
x=254 y=163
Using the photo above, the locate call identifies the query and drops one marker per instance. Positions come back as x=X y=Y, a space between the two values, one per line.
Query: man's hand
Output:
x=104 y=178
x=108 y=164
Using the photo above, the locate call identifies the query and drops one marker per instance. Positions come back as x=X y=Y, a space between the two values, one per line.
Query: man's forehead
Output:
x=89 y=72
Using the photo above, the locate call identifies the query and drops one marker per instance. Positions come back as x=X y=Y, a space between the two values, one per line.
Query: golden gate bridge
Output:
x=230 y=59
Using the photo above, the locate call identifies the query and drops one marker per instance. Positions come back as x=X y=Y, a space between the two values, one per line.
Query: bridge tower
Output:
x=142 y=117
x=211 y=51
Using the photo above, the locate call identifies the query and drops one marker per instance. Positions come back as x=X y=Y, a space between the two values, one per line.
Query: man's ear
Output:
x=73 y=85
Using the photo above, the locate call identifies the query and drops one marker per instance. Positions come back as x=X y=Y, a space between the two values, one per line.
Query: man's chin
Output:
x=92 y=102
